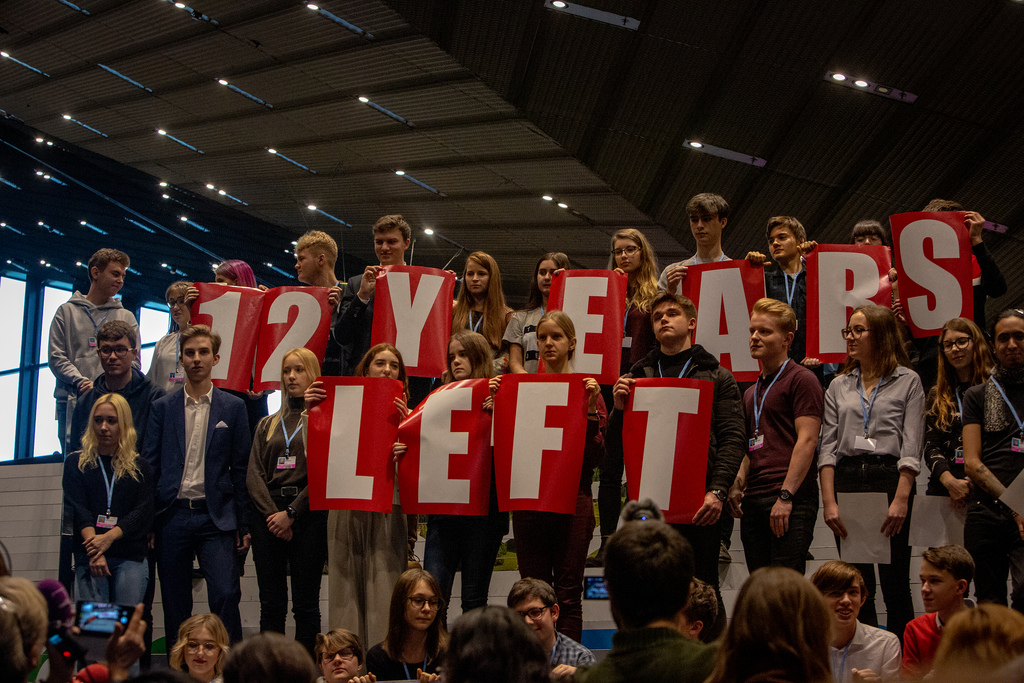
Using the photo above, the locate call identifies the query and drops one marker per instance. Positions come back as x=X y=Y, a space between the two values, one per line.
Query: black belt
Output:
x=191 y=504
x=868 y=459
x=285 y=492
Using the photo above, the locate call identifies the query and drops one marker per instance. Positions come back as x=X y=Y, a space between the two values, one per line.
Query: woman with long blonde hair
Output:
x=110 y=492
x=480 y=306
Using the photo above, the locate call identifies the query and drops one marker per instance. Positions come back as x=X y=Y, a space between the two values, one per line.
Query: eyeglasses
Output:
x=628 y=251
x=180 y=301
x=344 y=653
x=854 y=332
x=534 y=613
x=209 y=648
x=119 y=351
x=418 y=602
x=959 y=342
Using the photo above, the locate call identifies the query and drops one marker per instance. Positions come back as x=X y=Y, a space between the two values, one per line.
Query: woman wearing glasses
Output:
x=871 y=440
x=165 y=370
x=201 y=648
x=966 y=361
x=416 y=639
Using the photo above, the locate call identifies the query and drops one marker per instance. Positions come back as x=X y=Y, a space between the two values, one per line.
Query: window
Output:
x=12 y=312
x=46 y=440
x=153 y=322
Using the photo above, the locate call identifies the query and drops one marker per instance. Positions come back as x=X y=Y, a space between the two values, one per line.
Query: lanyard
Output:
x=96 y=325
x=697 y=260
x=790 y=293
x=842 y=666
x=1020 y=423
x=108 y=482
x=759 y=408
x=625 y=318
x=865 y=406
x=959 y=404
x=479 y=320
x=408 y=675
x=287 y=438
x=681 y=373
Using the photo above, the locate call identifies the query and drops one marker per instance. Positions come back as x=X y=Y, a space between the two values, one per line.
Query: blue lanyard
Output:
x=759 y=408
x=287 y=438
x=959 y=404
x=789 y=293
x=93 y=320
x=408 y=675
x=698 y=261
x=681 y=373
x=108 y=482
x=625 y=318
x=865 y=407
x=1020 y=423
x=478 y=321
x=842 y=666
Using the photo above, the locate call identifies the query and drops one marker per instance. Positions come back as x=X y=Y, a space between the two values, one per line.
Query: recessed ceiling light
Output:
x=210 y=186
x=563 y=206
x=882 y=89
x=222 y=81
x=547 y=198
x=166 y=196
x=559 y=4
x=364 y=100
x=161 y=131
x=49 y=143
x=164 y=265
x=721 y=152
x=184 y=218
x=695 y=144
x=163 y=183
x=312 y=6
x=221 y=192
x=861 y=83
x=180 y=5
x=311 y=207
x=67 y=117
x=40 y=140
x=82 y=222
x=399 y=172
x=272 y=150
x=838 y=77
x=428 y=231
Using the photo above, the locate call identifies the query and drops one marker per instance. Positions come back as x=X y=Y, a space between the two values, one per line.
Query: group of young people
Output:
x=197 y=469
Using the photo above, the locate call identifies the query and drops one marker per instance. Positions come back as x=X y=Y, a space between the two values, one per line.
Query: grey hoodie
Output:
x=71 y=359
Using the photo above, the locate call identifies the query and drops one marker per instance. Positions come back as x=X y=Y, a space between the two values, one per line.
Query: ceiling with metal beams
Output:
x=487 y=106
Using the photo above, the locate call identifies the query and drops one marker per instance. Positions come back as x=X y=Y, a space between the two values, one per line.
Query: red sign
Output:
x=933 y=259
x=841 y=277
x=233 y=313
x=595 y=301
x=724 y=294
x=665 y=429
x=413 y=310
x=292 y=317
x=447 y=469
x=540 y=429
x=348 y=447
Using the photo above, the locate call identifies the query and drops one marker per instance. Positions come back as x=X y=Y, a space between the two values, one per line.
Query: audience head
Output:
x=491 y=644
x=869 y=232
x=199 y=346
x=946 y=575
x=708 y=215
x=648 y=568
x=780 y=625
x=391 y=237
x=772 y=327
x=315 y=252
x=415 y=604
x=963 y=350
x=785 y=235
x=700 y=612
x=235 y=272
x=299 y=368
x=536 y=603
x=107 y=268
x=556 y=338
x=943 y=205
x=339 y=654
x=23 y=622
x=540 y=285
x=269 y=656
x=632 y=253
x=843 y=588
x=469 y=357
x=111 y=431
x=481 y=283
x=673 y=316
x=175 y=297
x=874 y=336
x=117 y=346
x=202 y=647
x=1008 y=338
x=977 y=642
x=383 y=360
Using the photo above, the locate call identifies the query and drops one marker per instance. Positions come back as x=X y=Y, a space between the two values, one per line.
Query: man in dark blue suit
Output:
x=197 y=443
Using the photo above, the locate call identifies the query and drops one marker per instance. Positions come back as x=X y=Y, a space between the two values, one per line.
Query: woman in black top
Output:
x=416 y=639
x=110 y=491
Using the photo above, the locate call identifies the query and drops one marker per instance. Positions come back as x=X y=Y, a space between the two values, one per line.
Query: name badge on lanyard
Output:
x=958 y=456
x=863 y=443
x=286 y=463
x=106 y=521
x=756 y=443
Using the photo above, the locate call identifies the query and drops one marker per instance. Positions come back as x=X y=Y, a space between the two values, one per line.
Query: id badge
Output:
x=958 y=456
x=863 y=443
x=286 y=463
x=106 y=521
x=92 y=342
x=1017 y=446
x=178 y=375
x=627 y=342
x=756 y=442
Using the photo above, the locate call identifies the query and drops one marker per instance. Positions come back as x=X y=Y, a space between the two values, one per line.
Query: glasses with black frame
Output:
x=534 y=613
x=344 y=653
x=418 y=602
x=628 y=251
x=959 y=342
x=117 y=351
x=854 y=332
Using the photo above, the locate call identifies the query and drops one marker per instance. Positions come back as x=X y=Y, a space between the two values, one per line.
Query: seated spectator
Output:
x=202 y=647
x=267 y=657
x=701 y=610
x=978 y=642
x=535 y=601
x=778 y=632
x=648 y=571
x=858 y=652
x=416 y=638
x=491 y=644
x=23 y=622
x=340 y=656
x=946 y=575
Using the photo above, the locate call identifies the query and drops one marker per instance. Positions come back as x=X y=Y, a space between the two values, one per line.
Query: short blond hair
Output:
x=319 y=242
x=783 y=314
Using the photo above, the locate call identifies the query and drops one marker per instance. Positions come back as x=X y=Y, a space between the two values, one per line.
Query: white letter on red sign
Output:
x=834 y=298
x=411 y=314
x=663 y=406
x=930 y=275
x=722 y=292
x=438 y=443
x=343 y=454
x=532 y=437
x=306 y=323
x=576 y=304
x=224 y=311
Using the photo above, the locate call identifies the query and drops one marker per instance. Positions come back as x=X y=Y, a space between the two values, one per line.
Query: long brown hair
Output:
x=889 y=351
x=942 y=395
x=642 y=286
x=535 y=297
x=780 y=624
x=364 y=364
x=495 y=311
x=479 y=352
x=398 y=628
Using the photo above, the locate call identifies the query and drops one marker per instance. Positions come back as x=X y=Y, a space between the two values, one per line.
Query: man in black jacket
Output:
x=674 y=318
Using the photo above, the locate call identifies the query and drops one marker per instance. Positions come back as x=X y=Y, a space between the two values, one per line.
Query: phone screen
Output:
x=595 y=588
x=101 y=617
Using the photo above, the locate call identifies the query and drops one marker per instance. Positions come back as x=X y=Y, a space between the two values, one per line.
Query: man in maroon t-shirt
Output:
x=775 y=491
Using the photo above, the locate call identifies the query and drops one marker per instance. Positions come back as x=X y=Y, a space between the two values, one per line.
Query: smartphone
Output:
x=594 y=588
x=100 y=618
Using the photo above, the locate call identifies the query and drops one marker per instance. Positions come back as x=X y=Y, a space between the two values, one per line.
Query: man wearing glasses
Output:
x=117 y=348
x=535 y=601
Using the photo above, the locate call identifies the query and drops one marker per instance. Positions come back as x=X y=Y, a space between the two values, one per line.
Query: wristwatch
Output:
x=719 y=494
x=785 y=496
x=292 y=513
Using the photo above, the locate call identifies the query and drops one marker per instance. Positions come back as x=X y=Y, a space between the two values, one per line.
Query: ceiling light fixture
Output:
x=40 y=140
x=74 y=7
x=210 y=186
x=8 y=183
x=723 y=153
x=245 y=94
x=399 y=172
x=163 y=183
x=838 y=77
x=864 y=85
x=291 y=161
x=618 y=20
x=861 y=83
x=194 y=224
x=341 y=22
x=563 y=205
x=420 y=183
x=12 y=228
x=312 y=207
x=194 y=13
x=68 y=117
x=428 y=231
x=163 y=132
x=364 y=100
x=124 y=78
x=93 y=227
x=27 y=66
x=384 y=110
x=166 y=196
x=148 y=229
x=547 y=198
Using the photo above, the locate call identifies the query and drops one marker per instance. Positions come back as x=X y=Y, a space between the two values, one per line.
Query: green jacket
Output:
x=652 y=655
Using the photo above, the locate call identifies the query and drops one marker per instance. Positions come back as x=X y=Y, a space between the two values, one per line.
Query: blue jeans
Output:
x=126 y=584
x=469 y=541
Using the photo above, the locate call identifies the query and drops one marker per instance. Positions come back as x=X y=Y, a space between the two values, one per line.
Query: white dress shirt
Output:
x=197 y=419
